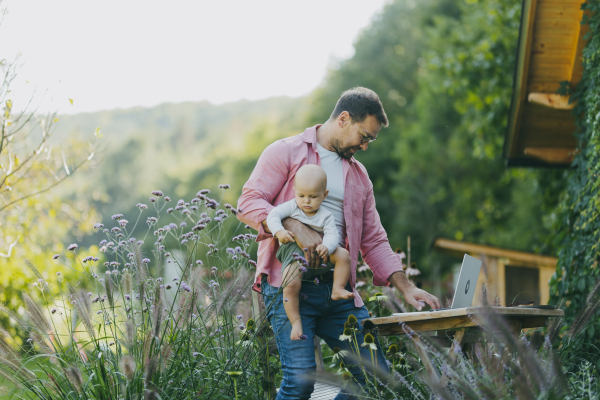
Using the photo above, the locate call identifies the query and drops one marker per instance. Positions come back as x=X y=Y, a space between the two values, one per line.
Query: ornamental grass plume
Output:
x=82 y=311
x=128 y=366
x=592 y=305
x=36 y=315
x=127 y=282
x=74 y=376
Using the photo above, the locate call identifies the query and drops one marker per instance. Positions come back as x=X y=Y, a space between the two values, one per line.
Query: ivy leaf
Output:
x=581 y=284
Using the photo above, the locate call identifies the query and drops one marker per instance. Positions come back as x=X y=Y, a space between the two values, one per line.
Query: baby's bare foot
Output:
x=340 y=294
x=296 y=332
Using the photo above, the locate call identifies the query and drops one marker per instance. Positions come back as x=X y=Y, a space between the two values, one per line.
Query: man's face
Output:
x=354 y=136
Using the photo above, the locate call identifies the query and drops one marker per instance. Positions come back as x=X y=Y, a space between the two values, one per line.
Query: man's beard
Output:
x=344 y=152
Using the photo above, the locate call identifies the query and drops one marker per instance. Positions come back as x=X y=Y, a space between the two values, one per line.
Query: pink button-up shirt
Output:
x=272 y=183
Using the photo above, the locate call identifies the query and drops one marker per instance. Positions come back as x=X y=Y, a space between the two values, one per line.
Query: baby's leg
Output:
x=292 y=281
x=341 y=274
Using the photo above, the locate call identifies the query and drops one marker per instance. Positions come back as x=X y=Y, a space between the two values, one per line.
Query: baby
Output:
x=311 y=189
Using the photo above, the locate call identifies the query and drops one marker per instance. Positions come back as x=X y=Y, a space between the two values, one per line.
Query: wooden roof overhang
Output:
x=458 y=249
x=541 y=126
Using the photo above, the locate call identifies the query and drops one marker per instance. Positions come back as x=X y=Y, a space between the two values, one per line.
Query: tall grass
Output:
x=138 y=334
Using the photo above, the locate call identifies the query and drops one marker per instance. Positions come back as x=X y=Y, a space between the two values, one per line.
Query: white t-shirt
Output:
x=333 y=165
x=322 y=221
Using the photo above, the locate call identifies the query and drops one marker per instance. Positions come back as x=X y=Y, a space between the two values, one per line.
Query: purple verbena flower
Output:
x=117 y=216
x=146 y=260
x=157 y=193
x=54 y=257
x=185 y=287
x=152 y=199
x=123 y=222
x=72 y=247
x=98 y=226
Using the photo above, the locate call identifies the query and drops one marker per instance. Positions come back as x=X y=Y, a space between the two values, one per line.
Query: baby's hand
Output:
x=322 y=250
x=285 y=236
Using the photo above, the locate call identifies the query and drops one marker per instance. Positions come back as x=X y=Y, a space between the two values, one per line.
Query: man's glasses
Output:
x=365 y=137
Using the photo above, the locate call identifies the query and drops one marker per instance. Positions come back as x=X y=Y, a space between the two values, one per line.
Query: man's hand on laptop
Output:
x=418 y=297
x=412 y=294
x=306 y=238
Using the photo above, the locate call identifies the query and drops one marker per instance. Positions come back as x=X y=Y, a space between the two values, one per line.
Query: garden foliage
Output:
x=169 y=316
x=578 y=229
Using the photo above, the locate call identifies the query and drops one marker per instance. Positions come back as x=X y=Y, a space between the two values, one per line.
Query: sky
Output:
x=119 y=54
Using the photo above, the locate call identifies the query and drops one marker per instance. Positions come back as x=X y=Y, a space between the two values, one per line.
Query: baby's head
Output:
x=311 y=188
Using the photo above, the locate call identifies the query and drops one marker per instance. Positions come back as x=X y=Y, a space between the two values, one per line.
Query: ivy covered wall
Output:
x=578 y=229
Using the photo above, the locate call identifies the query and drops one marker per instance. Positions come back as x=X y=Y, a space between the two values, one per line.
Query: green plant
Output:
x=137 y=334
x=579 y=224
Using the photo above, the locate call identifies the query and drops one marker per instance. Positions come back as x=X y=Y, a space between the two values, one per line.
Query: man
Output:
x=355 y=122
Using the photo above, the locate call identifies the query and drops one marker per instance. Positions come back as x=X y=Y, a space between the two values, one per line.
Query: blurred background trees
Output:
x=35 y=221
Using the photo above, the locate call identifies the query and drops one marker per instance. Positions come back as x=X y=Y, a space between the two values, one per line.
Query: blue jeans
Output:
x=320 y=316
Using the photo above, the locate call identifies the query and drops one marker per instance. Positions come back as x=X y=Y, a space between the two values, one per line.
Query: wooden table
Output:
x=463 y=325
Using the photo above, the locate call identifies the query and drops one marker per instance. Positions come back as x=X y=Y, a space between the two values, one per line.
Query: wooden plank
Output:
x=521 y=75
x=555 y=35
x=545 y=276
x=537 y=139
x=535 y=112
x=577 y=61
x=549 y=59
x=502 y=281
x=543 y=138
x=549 y=74
x=573 y=3
x=553 y=38
x=548 y=87
x=428 y=325
x=539 y=122
x=556 y=10
x=542 y=46
x=559 y=22
x=547 y=130
x=464 y=312
x=476 y=249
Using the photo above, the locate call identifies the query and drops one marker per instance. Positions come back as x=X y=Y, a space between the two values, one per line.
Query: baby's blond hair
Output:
x=311 y=175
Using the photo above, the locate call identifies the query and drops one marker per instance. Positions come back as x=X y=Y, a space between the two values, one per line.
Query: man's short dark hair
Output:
x=360 y=102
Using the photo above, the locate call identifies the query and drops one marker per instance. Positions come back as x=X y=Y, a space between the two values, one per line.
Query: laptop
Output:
x=467 y=282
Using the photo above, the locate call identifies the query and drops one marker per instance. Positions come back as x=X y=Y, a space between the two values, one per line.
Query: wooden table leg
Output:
x=422 y=352
x=454 y=349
